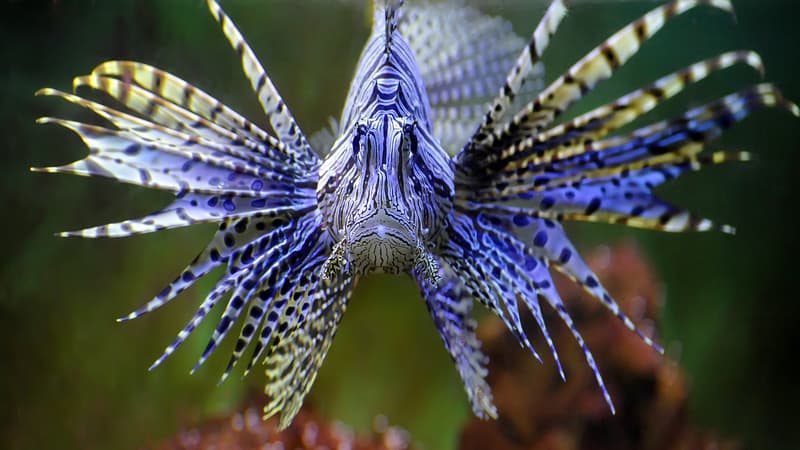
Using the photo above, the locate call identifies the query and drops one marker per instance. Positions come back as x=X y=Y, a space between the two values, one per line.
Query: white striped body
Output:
x=386 y=186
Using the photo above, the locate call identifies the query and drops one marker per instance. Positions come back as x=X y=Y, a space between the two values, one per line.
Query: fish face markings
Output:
x=393 y=195
x=386 y=187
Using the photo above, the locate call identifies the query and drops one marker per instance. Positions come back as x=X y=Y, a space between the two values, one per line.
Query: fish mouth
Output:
x=382 y=241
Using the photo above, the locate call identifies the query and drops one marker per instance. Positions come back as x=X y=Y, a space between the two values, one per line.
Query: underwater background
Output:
x=72 y=378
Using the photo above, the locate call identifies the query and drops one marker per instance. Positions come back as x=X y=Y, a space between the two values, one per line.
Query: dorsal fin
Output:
x=387 y=12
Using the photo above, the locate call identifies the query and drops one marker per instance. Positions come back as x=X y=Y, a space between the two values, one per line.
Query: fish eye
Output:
x=409 y=142
x=359 y=139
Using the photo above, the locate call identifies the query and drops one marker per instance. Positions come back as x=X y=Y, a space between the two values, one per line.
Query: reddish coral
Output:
x=246 y=431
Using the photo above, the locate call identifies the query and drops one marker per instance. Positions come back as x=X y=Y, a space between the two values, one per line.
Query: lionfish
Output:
x=445 y=164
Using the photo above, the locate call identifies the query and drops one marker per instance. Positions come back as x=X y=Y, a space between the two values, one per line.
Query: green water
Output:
x=74 y=379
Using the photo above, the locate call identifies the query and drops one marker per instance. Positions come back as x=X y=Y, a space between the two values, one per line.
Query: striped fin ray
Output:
x=280 y=325
x=551 y=295
x=482 y=262
x=187 y=211
x=481 y=286
x=258 y=251
x=450 y=307
x=266 y=284
x=598 y=65
x=463 y=58
x=570 y=139
x=130 y=160
x=110 y=158
x=306 y=289
x=282 y=302
x=155 y=107
x=160 y=164
x=249 y=267
x=390 y=10
x=523 y=268
x=183 y=94
x=551 y=244
x=313 y=290
x=280 y=118
x=653 y=144
x=232 y=237
x=193 y=204
x=223 y=286
x=546 y=288
x=309 y=346
x=293 y=364
x=210 y=184
x=247 y=264
x=696 y=126
x=661 y=152
x=614 y=182
x=525 y=63
x=228 y=154
x=175 y=117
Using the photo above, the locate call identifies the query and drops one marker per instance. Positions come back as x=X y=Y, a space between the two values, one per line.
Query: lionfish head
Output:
x=394 y=193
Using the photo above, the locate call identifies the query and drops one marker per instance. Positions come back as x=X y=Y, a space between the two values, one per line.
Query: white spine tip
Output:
x=609 y=401
x=754 y=60
x=80 y=81
x=197 y=366
x=223 y=378
x=727 y=229
x=130 y=316
x=704 y=225
x=794 y=109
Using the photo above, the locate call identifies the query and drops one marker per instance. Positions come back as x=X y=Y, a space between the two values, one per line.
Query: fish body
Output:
x=386 y=185
x=445 y=164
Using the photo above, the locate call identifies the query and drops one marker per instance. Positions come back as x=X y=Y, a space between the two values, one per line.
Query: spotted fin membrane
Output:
x=514 y=173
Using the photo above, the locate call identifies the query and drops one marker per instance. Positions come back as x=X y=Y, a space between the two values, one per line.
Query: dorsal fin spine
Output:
x=387 y=16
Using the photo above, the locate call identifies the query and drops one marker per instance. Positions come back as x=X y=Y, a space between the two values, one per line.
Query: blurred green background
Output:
x=74 y=379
